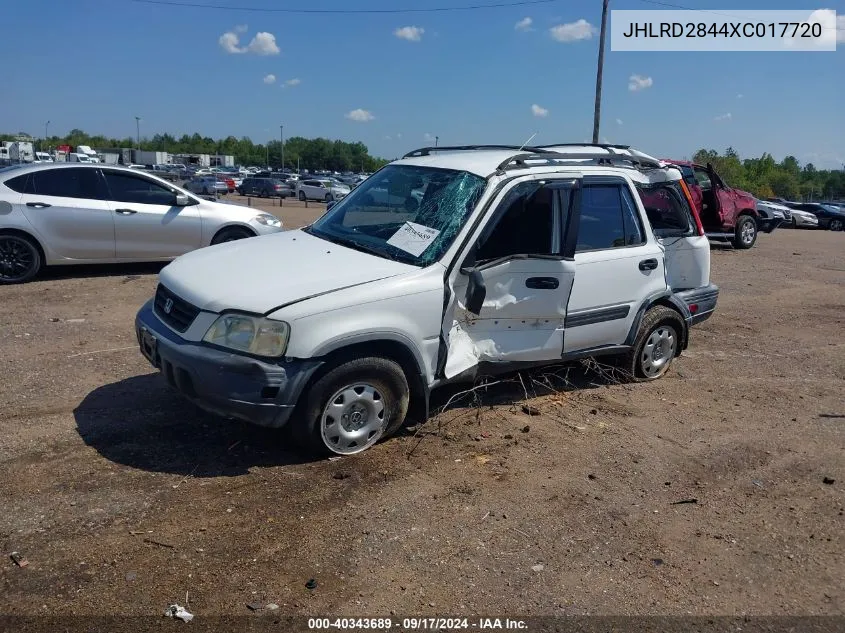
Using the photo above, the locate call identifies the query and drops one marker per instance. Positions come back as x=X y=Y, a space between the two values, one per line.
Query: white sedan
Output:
x=89 y=214
x=804 y=219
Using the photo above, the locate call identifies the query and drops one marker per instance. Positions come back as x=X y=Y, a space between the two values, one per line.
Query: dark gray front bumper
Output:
x=224 y=383
x=700 y=301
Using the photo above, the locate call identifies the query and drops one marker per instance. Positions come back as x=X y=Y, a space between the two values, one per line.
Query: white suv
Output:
x=511 y=257
x=323 y=189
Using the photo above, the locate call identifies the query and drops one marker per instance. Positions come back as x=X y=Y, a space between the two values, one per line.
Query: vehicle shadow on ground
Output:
x=100 y=270
x=140 y=422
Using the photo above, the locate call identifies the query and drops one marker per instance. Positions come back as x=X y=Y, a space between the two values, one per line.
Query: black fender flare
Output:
x=669 y=300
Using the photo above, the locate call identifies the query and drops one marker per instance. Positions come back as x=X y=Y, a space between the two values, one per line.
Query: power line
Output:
x=472 y=7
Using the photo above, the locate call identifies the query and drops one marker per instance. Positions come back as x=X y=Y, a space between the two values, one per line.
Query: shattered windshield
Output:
x=405 y=213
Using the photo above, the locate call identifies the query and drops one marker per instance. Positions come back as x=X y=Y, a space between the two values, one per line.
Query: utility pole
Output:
x=436 y=140
x=46 y=128
x=138 y=132
x=268 y=154
x=597 y=113
x=282 y=136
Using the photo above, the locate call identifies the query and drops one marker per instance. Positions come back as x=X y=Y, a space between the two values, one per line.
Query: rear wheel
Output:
x=301 y=196
x=794 y=222
x=20 y=259
x=835 y=225
x=656 y=345
x=328 y=197
x=232 y=234
x=353 y=406
x=745 y=233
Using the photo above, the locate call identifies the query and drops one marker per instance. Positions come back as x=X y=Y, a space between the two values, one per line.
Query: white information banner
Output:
x=724 y=30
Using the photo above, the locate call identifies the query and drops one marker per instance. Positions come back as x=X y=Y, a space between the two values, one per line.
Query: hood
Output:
x=259 y=274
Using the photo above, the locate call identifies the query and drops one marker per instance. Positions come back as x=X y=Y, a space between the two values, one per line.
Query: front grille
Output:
x=181 y=313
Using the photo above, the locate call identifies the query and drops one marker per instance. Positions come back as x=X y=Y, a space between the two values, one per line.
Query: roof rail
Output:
x=602 y=145
x=425 y=151
x=633 y=160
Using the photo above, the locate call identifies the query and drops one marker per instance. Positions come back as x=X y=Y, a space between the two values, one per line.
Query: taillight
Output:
x=691 y=203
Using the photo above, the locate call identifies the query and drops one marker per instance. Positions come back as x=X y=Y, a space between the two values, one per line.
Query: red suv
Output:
x=725 y=212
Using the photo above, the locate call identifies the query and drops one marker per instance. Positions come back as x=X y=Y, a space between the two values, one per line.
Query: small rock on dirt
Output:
x=538 y=567
x=131 y=575
x=311 y=584
x=526 y=428
x=828 y=481
x=254 y=606
x=591 y=476
x=18 y=559
x=657 y=561
x=341 y=475
x=527 y=409
x=272 y=607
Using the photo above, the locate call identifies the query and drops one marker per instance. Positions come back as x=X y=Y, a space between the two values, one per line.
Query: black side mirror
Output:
x=476 y=291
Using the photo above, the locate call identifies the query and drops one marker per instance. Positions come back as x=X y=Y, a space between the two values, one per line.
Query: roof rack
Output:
x=425 y=151
x=602 y=145
x=632 y=159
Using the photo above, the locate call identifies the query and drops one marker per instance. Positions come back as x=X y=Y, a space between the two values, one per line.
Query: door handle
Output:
x=542 y=283
x=38 y=205
x=648 y=264
x=125 y=211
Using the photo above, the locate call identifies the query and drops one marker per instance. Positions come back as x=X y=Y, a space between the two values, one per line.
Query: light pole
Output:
x=436 y=140
x=268 y=154
x=138 y=132
x=597 y=112
x=282 y=137
x=46 y=128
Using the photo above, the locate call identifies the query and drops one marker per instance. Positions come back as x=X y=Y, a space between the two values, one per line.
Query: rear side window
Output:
x=609 y=219
x=21 y=184
x=128 y=188
x=666 y=208
x=75 y=182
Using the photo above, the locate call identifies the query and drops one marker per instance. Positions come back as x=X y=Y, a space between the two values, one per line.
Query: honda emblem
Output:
x=168 y=306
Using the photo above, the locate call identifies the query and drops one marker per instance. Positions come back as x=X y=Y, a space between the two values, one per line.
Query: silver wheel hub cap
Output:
x=747 y=233
x=353 y=419
x=658 y=351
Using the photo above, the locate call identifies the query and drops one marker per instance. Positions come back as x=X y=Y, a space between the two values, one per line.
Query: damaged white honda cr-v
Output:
x=442 y=266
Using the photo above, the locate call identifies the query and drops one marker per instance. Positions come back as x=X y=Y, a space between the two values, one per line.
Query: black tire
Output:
x=835 y=225
x=745 y=234
x=301 y=196
x=377 y=376
x=636 y=362
x=328 y=197
x=205 y=192
x=231 y=234
x=794 y=222
x=20 y=259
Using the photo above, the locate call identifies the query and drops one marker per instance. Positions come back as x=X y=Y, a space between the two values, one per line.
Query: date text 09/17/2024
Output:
x=416 y=624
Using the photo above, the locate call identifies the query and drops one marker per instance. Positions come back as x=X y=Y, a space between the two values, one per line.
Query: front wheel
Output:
x=835 y=225
x=20 y=259
x=746 y=232
x=301 y=196
x=231 y=234
x=656 y=345
x=353 y=406
x=329 y=197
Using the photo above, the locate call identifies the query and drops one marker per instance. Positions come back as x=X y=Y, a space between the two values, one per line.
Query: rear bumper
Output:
x=224 y=383
x=700 y=301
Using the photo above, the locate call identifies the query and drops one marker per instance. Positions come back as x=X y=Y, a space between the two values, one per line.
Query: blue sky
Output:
x=467 y=77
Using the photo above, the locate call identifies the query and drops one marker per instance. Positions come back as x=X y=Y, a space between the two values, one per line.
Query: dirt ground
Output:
x=123 y=497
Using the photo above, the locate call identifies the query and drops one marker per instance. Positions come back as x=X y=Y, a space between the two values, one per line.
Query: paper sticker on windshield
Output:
x=413 y=238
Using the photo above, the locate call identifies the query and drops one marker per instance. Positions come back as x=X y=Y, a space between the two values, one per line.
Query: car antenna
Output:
x=528 y=141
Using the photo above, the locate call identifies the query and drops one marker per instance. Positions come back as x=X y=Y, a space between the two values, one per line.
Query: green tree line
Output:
x=766 y=178
x=314 y=153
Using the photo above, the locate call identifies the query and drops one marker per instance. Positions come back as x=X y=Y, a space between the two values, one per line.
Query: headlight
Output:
x=254 y=335
x=268 y=220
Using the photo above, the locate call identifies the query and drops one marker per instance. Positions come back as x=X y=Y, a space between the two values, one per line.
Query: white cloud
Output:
x=398 y=135
x=573 y=31
x=739 y=96
x=360 y=116
x=723 y=117
x=618 y=121
x=539 y=111
x=832 y=31
x=269 y=79
x=638 y=82
x=293 y=82
x=524 y=25
x=387 y=137
x=428 y=137
x=262 y=44
x=410 y=33
x=229 y=42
